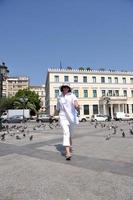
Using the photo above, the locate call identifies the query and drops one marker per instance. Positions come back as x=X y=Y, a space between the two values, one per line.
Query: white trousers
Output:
x=68 y=130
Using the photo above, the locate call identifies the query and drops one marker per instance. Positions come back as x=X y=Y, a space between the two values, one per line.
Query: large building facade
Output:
x=11 y=85
x=104 y=92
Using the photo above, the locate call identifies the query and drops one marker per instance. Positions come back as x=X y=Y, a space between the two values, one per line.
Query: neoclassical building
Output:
x=103 y=92
x=40 y=90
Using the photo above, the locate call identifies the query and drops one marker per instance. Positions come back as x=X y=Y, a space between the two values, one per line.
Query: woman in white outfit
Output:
x=67 y=106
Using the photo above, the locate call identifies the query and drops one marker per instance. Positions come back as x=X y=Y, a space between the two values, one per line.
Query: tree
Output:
x=88 y=68
x=81 y=68
x=6 y=103
x=27 y=99
x=69 y=67
x=101 y=69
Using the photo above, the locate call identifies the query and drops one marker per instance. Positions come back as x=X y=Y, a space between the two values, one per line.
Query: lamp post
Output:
x=3 y=74
x=24 y=100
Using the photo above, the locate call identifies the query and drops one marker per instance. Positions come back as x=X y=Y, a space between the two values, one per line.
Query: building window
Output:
x=131 y=93
x=109 y=80
x=76 y=92
x=125 y=93
x=94 y=93
x=127 y=108
x=56 y=93
x=124 y=80
x=56 y=79
x=86 y=109
x=102 y=79
x=66 y=78
x=85 y=93
x=116 y=93
x=103 y=93
x=131 y=80
x=84 y=79
x=110 y=93
x=55 y=110
x=94 y=79
x=95 y=109
x=75 y=79
x=116 y=79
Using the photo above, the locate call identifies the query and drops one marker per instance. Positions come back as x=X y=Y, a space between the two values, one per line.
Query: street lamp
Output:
x=3 y=74
x=24 y=101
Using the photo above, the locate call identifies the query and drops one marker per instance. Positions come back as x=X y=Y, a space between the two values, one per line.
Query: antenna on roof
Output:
x=60 y=65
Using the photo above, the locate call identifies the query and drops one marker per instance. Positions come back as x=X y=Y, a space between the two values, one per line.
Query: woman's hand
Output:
x=76 y=105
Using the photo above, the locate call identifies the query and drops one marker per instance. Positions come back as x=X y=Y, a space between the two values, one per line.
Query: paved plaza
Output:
x=35 y=169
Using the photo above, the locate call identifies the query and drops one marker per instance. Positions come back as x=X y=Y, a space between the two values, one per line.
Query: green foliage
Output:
x=81 y=68
x=88 y=68
x=69 y=68
x=23 y=99
x=6 y=103
x=101 y=69
x=27 y=99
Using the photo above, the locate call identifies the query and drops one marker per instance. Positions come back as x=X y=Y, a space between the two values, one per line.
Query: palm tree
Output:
x=27 y=99
x=24 y=103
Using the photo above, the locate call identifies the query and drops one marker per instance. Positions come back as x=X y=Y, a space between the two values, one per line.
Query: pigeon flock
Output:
x=27 y=130
x=114 y=128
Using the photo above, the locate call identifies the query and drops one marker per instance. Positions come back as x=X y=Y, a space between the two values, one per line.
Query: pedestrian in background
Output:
x=67 y=106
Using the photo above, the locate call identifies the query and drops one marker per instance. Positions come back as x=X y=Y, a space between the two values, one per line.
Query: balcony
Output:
x=113 y=99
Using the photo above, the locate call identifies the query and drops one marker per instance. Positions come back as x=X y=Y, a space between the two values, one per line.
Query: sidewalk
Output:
x=100 y=169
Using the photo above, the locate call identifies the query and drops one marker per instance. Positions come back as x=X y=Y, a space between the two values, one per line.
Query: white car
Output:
x=83 y=118
x=99 y=118
x=4 y=116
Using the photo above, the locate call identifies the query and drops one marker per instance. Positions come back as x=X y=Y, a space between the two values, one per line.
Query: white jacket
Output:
x=66 y=108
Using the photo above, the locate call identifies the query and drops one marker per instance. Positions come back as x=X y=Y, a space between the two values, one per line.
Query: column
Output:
x=130 y=109
x=81 y=110
x=119 y=109
x=122 y=107
x=112 y=114
x=125 y=108
x=91 y=110
x=104 y=109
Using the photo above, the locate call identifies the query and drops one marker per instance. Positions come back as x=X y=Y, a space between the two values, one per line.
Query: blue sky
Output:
x=37 y=34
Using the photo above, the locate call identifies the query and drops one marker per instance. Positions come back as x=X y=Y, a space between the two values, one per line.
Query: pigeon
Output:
x=18 y=137
x=3 y=136
x=50 y=126
x=123 y=134
x=24 y=135
x=114 y=131
x=108 y=137
x=131 y=131
x=31 y=137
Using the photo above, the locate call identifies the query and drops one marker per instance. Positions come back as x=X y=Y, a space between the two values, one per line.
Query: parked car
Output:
x=44 y=118
x=15 y=119
x=99 y=118
x=55 y=118
x=83 y=118
x=122 y=116
x=4 y=115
